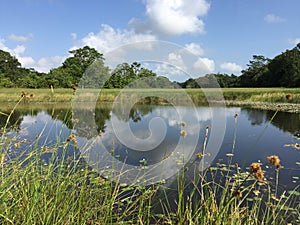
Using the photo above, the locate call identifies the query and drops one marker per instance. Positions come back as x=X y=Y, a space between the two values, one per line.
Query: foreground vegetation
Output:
x=64 y=190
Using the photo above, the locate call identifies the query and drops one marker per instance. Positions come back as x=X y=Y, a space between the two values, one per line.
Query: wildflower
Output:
x=183 y=133
x=236 y=115
x=71 y=137
x=237 y=194
x=23 y=94
x=182 y=123
x=289 y=96
x=274 y=160
x=254 y=167
x=199 y=155
x=259 y=175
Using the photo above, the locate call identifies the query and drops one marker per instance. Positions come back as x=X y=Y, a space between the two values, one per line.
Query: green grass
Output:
x=277 y=95
x=68 y=191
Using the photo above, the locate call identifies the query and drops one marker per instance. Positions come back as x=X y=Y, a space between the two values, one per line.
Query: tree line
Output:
x=281 y=71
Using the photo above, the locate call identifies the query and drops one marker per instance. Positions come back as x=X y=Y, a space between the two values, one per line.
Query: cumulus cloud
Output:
x=18 y=51
x=172 y=17
x=109 y=38
x=42 y=65
x=3 y=46
x=46 y=63
x=20 y=38
x=271 y=18
x=231 y=67
x=26 y=61
x=204 y=65
x=195 y=49
x=176 y=60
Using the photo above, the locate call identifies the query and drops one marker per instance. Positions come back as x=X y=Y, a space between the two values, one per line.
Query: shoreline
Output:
x=282 y=107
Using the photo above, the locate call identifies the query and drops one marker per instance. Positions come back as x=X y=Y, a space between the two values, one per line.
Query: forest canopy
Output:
x=281 y=71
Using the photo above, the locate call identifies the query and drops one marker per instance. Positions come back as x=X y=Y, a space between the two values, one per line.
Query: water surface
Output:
x=148 y=135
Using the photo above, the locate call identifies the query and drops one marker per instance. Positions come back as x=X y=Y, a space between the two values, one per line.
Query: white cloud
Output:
x=3 y=46
x=204 y=65
x=176 y=60
x=109 y=38
x=20 y=38
x=20 y=49
x=42 y=65
x=294 y=41
x=46 y=63
x=231 y=67
x=195 y=49
x=172 y=17
x=271 y=18
x=26 y=61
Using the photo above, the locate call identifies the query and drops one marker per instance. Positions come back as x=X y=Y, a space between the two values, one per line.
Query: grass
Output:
x=278 y=95
x=65 y=190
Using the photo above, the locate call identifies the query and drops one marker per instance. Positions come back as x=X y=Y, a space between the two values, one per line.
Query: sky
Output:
x=222 y=35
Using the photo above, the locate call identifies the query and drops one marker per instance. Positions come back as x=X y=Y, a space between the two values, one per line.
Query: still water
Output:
x=153 y=141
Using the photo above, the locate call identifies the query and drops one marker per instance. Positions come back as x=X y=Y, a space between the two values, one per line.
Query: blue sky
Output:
x=223 y=34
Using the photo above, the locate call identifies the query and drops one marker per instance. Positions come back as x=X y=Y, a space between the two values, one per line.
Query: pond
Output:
x=150 y=143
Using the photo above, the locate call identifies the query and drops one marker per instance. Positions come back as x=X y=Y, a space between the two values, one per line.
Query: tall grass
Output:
x=65 y=190
x=197 y=95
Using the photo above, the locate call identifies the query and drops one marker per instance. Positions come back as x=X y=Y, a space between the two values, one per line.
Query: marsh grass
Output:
x=64 y=190
x=197 y=95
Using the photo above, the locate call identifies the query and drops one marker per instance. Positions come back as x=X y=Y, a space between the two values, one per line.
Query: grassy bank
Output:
x=65 y=190
x=262 y=98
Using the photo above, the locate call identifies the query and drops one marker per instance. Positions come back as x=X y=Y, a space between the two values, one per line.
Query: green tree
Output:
x=73 y=67
x=256 y=73
x=9 y=66
x=285 y=69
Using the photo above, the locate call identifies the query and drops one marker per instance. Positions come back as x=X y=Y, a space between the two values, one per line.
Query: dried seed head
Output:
x=289 y=96
x=182 y=123
x=183 y=133
x=274 y=160
x=259 y=175
x=237 y=194
x=254 y=167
